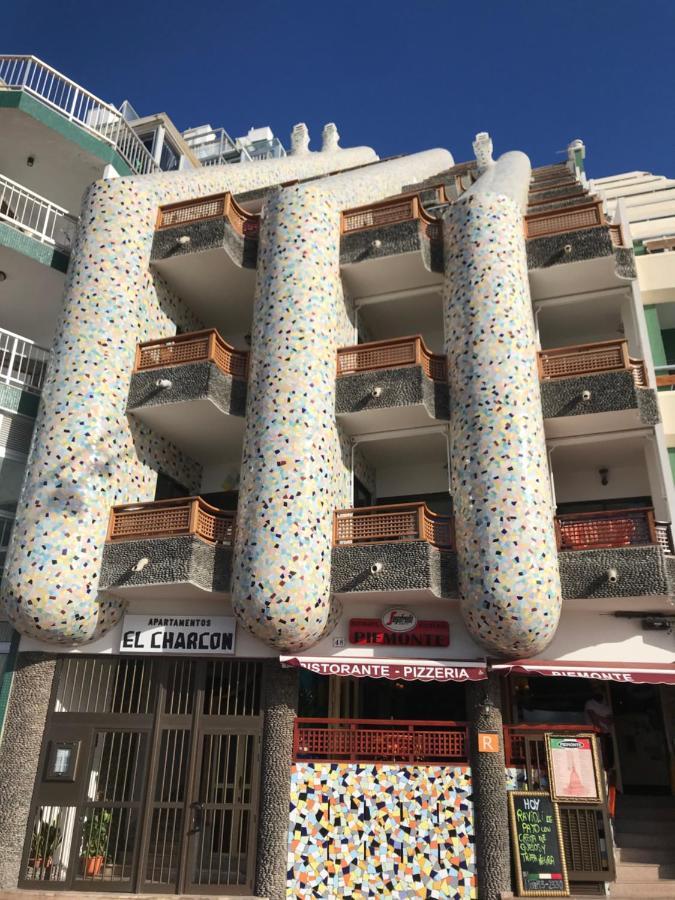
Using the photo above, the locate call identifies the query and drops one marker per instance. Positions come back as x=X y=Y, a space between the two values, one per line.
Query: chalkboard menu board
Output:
x=538 y=853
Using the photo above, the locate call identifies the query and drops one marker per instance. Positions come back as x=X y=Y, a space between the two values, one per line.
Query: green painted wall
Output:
x=32 y=106
x=655 y=336
x=671 y=459
x=668 y=338
x=7 y=667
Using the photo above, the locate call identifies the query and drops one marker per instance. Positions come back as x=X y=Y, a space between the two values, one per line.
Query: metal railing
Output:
x=589 y=359
x=395 y=522
x=392 y=212
x=196 y=346
x=612 y=528
x=665 y=376
x=35 y=216
x=217 y=206
x=377 y=740
x=168 y=518
x=28 y=73
x=392 y=354
x=570 y=218
x=22 y=363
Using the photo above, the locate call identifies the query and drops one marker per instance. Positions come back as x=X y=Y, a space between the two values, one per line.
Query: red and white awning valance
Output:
x=393 y=669
x=631 y=673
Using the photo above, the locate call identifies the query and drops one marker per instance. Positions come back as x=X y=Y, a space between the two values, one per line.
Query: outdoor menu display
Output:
x=538 y=852
x=574 y=768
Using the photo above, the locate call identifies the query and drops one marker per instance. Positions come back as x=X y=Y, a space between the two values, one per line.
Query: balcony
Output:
x=391 y=245
x=180 y=547
x=397 y=547
x=191 y=388
x=599 y=379
x=396 y=383
x=35 y=240
x=616 y=553
x=202 y=244
x=408 y=742
x=575 y=234
x=76 y=105
x=23 y=364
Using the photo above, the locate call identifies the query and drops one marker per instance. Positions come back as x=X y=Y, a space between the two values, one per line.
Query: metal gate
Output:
x=148 y=778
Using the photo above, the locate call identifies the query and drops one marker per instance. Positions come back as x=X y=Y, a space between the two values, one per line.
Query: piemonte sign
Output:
x=399 y=628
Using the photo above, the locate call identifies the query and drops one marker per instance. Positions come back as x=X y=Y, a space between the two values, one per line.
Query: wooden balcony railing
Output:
x=406 y=208
x=525 y=747
x=395 y=522
x=197 y=346
x=612 y=528
x=570 y=218
x=392 y=354
x=217 y=206
x=168 y=518
x=380 y=741
x=589 y=359
x=576 y=192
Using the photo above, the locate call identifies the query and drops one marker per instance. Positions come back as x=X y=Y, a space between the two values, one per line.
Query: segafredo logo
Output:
x=397 y=619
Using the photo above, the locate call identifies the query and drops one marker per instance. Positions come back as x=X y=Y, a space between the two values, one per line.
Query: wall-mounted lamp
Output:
x=184 y=239
x=376 y=392
x=612 y=576
x=586 y=396
x=567 y=249
x=376 y=568
x=163 y=383
x=30 y=162
x=376 y=244
x=604 y=476
x=141 y=564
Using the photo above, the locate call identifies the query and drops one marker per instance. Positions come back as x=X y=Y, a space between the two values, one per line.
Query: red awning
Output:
x=632 y=673
x=393 y=669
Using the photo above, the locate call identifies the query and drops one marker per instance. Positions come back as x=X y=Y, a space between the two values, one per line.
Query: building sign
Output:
x=574 y=768
x=191 y=635
x=488 y=742
x=538 y=853
x=393 y=669
x=399 y=628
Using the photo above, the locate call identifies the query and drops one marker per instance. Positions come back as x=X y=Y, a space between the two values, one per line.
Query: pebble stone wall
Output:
x=86 y=455
x=509 y=582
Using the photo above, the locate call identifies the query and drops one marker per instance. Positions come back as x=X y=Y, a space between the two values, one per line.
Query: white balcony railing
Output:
x=102 y=119
x=35 y=216
x=22 y=363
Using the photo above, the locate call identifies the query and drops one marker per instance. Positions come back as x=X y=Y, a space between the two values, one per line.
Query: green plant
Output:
x=95 y=830
x=44 y=841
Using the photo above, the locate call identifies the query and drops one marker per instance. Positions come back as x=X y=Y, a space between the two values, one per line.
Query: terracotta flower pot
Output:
x=93 y=865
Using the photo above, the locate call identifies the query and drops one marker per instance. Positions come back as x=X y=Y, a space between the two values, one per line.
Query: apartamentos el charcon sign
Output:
x=193 y=635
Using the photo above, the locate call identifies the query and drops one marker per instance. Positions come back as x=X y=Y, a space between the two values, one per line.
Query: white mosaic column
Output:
x=508 y=567
x=295 y=469
x=86 y=456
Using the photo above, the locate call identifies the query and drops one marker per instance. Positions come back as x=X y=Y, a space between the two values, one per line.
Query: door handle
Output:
x=197 y=808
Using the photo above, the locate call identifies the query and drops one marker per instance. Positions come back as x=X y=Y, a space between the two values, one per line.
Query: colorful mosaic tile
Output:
x=508 y=564
x=371 y=831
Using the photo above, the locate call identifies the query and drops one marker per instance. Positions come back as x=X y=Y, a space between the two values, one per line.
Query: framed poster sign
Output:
x=538 y=854
x=574 y=768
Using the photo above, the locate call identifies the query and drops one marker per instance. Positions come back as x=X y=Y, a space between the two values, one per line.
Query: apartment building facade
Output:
x=341 y=466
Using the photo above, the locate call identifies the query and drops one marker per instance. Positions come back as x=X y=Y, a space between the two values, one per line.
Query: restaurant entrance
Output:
x=148 y=777
x=641 y=740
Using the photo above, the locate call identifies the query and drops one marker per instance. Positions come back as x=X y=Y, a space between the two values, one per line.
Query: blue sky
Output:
x=398 y=76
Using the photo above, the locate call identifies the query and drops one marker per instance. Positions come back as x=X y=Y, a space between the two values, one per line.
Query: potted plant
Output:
x=95 y=830
x=44 y=842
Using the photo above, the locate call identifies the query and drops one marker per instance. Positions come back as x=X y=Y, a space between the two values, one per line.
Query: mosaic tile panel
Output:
x=369 y=831
x=86 y=455
x=509 y=581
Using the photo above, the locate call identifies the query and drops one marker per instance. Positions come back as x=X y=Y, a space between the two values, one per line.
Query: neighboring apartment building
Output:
x=348 y=486
x=649 y=206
